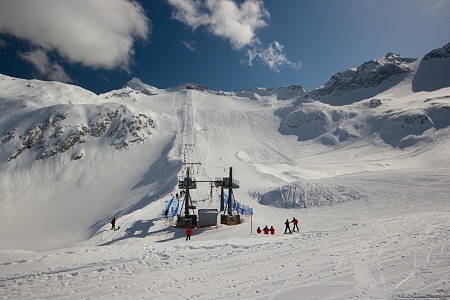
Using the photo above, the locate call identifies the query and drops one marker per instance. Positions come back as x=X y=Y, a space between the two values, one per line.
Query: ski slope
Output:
x=385 y=247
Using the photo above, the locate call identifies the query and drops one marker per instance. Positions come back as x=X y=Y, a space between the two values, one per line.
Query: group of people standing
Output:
x=266 y=230
x=294 y=222
x=294 y=225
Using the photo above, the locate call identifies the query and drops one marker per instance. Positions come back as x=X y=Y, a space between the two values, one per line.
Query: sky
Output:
x=221 y=44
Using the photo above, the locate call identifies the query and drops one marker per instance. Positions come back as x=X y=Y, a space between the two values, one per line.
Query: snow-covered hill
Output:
x=363 y=162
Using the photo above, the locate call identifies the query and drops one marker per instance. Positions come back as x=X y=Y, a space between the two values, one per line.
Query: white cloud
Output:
x=50 y=70
x=273 y=56
x=224 y=18
x=189 y=12
x=98 y=34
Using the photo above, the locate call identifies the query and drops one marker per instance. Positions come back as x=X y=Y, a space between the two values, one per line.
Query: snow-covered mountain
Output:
x=363 y=159
x=434 y=71
x=373 y=76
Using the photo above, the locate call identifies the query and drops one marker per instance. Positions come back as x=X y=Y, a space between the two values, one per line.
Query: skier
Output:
x=266 y=230
x=272 y=230
x=113 y=224
x=188 y=233
x=295 y=222
x=287 y=226
x=258 y=230
x=166 y=214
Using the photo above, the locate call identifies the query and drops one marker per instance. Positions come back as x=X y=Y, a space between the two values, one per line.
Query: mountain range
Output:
x=374 y=139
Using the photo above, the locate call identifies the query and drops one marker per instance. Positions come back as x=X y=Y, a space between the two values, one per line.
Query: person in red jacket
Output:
x=258 y=230
x=294 y=222
x=272 y=230
x=188 y=233
x=113 y=224
x=266 y=230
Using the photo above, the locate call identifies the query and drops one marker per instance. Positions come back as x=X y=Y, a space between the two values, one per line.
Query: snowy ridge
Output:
x=137 y=85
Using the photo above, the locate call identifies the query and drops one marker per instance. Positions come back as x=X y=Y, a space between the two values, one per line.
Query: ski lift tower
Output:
x=230 y=183
x=188 y=220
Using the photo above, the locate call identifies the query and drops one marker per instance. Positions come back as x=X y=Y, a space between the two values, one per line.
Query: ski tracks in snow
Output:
x=401 y=257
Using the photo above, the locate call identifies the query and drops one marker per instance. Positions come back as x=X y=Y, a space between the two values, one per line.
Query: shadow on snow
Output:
x=141 y=229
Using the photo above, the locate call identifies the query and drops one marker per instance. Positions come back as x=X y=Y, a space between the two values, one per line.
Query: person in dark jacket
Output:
x=113 y=224
x=266 y=230
x=287 y=226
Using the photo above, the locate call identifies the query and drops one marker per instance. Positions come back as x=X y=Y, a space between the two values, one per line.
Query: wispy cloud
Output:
x=273 y=56
x=46 y=68
x=224 y=18
x=104 y=78
x=190 y=45
x=439 y=6
x=96 y=34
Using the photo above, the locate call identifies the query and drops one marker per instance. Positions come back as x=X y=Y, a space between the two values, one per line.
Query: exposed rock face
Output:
x=64 y=127
x=443 y=52
x=281 y=93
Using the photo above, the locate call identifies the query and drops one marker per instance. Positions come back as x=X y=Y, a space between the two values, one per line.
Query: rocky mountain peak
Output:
x=137 y=85
x=443 y=52
x=370 y=74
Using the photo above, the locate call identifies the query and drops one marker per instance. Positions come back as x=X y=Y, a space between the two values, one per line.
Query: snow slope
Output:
x=366 y=176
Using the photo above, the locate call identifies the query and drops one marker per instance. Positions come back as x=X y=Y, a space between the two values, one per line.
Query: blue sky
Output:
x=225 y=45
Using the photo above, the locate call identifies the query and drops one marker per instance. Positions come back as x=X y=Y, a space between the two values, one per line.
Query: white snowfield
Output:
x=368 y=182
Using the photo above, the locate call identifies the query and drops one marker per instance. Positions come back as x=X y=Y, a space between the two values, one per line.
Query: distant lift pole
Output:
x=187 y=184
x=230 y=193
x=230 y=183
